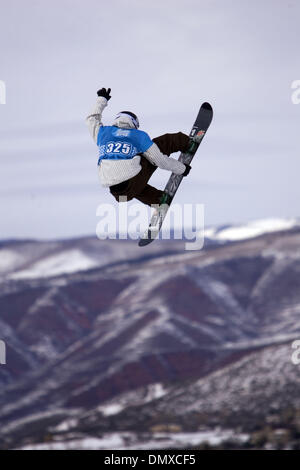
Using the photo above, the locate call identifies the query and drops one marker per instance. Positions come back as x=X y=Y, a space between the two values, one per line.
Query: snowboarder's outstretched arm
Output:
x=94 y=118
x=154 y=155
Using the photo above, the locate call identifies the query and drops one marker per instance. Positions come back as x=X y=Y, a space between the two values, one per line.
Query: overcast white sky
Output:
x=162 y=59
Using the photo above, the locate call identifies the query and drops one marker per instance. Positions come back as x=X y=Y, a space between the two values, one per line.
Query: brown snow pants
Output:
x=138 y=187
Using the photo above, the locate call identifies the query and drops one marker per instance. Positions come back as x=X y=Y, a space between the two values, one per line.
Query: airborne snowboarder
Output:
x=128 y=156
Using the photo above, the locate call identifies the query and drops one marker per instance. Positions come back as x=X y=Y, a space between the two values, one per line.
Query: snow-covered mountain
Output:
x=30 y=259
x=102 y=329
x=253 y=402
x=255 y=228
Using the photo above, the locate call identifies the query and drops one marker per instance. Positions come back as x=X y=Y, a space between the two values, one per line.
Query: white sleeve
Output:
x=94 y=118
x=154 y=155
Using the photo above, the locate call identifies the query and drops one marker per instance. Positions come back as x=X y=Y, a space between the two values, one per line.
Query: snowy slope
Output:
x=41 y=259
x=257 y=392
x=252 y=229
x=34 y=260
x=132 y=441
x=66 y=262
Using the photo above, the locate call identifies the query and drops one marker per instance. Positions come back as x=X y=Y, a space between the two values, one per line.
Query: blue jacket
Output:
x=116 y=143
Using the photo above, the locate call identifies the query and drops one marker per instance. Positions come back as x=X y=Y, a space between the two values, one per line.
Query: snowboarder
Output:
x=128 y=157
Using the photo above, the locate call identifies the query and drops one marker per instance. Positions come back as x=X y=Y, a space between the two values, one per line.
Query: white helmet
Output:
x=128 y=114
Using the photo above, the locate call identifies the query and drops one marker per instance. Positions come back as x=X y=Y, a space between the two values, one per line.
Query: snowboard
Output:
x=199 y=129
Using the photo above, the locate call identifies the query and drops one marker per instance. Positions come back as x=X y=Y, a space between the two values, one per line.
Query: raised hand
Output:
x=105 y=93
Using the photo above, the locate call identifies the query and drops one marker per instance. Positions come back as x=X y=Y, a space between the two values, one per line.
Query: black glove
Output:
x=105 y=93
x=187 y=169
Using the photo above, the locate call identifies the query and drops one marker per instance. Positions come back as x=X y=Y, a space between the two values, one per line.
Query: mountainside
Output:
x=92 y=326
x=251 y=403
